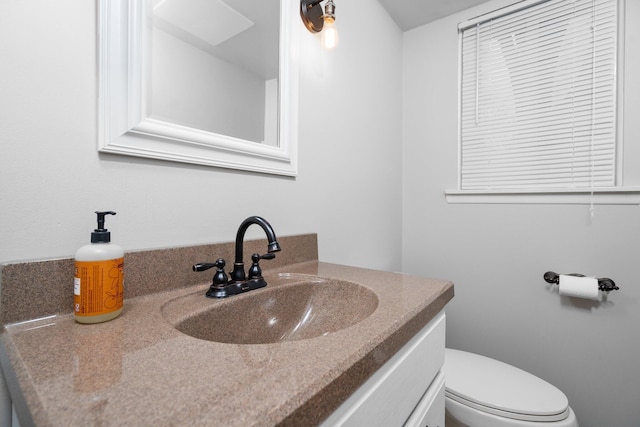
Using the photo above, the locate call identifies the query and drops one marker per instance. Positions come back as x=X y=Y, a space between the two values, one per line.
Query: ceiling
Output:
x=410 y=14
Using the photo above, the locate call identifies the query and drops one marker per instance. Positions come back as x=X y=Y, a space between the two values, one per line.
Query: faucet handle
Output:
x=202 y=266
x=255 y=271
x=220 y=278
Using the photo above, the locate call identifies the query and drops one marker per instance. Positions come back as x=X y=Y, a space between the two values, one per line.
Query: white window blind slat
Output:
x=538 y=97
x=522 y=17
x=551 y=155
x=546 y=126
x=576 y=158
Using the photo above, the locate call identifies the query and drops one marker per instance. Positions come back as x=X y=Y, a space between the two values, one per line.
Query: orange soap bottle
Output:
x=98 y=284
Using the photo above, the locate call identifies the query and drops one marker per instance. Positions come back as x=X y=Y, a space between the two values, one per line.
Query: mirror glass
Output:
x=215 y=66
x=210 y=82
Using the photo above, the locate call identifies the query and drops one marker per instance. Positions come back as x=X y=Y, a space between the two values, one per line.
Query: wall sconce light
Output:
x=316 y=21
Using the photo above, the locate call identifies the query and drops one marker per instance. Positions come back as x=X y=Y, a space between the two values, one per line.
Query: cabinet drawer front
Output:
x=390 y=396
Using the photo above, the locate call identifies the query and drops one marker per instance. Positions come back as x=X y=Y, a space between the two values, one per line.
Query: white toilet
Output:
x=483 y=392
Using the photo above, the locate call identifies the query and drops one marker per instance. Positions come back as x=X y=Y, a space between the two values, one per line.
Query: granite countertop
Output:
x=139 y=370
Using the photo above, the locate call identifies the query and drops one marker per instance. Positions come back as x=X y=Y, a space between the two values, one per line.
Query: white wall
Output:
x=52 y=179
x=497 y=254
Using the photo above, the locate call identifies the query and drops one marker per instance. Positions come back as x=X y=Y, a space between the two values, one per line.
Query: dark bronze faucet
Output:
x=222 y=286
x=237 y=275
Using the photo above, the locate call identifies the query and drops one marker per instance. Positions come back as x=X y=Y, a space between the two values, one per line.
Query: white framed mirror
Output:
x=151 y=53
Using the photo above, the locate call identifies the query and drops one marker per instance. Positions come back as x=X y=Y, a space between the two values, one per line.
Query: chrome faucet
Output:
x=222 y=286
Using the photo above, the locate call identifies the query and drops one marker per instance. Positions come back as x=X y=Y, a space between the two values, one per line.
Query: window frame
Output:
x=618 y=194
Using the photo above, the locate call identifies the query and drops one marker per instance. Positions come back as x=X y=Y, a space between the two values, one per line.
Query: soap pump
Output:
x=98 y=284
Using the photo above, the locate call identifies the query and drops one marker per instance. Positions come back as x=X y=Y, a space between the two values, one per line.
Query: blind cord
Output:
x=593 y=99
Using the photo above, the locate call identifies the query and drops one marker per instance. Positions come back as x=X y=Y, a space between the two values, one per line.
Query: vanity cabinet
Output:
x=407 y=390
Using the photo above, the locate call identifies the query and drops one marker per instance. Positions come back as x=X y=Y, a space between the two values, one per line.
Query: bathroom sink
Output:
x=298 y=307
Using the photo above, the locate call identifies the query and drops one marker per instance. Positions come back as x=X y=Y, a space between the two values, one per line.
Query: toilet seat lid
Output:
x=495 y=387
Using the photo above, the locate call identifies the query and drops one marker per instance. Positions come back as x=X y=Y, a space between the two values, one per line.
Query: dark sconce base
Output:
x=312 y=15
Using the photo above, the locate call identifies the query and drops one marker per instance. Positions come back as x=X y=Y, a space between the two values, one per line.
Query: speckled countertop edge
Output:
x=294 y=383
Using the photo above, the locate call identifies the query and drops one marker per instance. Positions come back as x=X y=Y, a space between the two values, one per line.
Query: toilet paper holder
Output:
x=604 y=284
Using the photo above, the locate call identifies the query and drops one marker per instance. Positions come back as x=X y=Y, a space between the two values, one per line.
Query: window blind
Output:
x=538 y=97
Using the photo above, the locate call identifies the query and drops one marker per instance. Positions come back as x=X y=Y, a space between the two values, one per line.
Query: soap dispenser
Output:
x=98 y=284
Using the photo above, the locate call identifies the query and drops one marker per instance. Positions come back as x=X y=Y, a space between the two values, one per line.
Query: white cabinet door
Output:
x=391 y=394
x=430 y=410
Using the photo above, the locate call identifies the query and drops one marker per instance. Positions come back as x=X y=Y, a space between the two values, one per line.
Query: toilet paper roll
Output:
x=581 y=287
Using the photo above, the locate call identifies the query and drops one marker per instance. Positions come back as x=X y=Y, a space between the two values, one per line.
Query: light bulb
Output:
x=329 y=35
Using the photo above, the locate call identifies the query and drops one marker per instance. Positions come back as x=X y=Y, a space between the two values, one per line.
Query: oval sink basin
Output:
x=292 y=311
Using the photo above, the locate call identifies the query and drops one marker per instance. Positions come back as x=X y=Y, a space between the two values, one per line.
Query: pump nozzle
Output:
x=101 y=219
x=101 y=234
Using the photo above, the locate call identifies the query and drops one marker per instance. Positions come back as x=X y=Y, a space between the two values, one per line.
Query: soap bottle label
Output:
x=98 y=287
